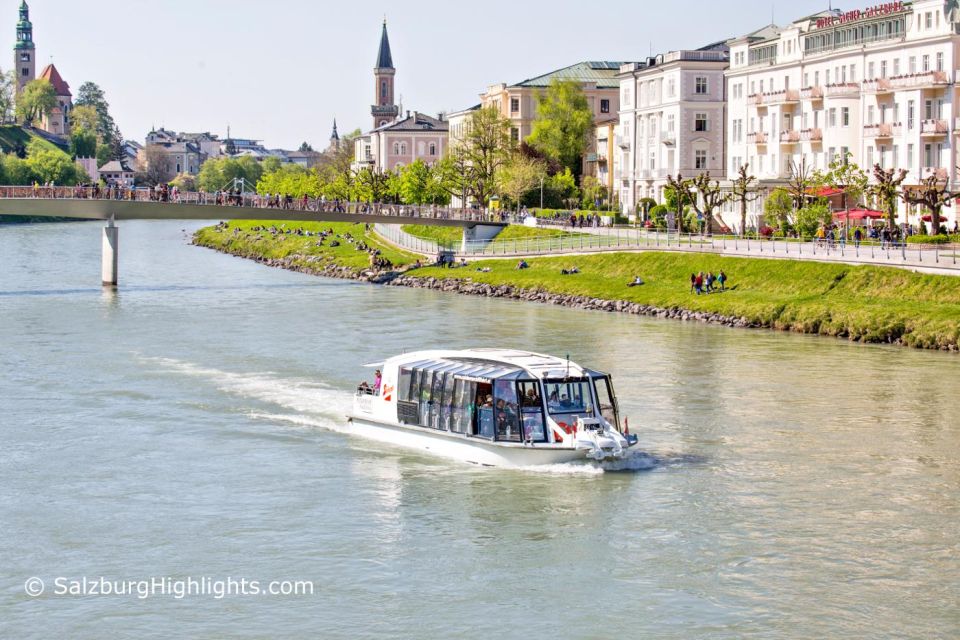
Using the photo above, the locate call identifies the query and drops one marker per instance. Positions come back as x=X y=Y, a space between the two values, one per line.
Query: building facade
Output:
x=672 y=119
x=397 y=144
x=604 y=164
x=878 y=84
x=384 y=109
x=24 y=51
x=57 y=121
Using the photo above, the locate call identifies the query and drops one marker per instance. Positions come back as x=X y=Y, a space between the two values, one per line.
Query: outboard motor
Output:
x=599 y=440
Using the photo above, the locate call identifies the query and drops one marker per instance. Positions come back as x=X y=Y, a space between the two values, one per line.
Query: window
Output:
x=910 y=157
x=701 y=86
x=531 y=408
x=911 y=113
x=845 y=116
x=433 y=148
x=700 y=159
x=832 y=118
x=25 y=72
x=604 y=106
x=514 y=105
x=883 y=68
x=700 y=122
x=383 y=89
x=928 y=19
x=25 y=57
x=912 y=64
x=569 y=400
x=940 y=61
x=926 y=63
x=396 y=148
x=515 y=134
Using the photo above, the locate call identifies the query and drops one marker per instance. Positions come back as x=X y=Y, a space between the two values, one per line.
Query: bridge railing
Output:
x=250 y=200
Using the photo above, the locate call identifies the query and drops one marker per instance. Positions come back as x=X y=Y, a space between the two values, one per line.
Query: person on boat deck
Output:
x=488 y=402
x=377 y=381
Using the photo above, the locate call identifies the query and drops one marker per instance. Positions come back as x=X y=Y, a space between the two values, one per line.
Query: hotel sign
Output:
x=889 y=8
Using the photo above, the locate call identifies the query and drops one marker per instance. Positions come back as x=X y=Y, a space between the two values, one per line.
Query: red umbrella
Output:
x=860 y=214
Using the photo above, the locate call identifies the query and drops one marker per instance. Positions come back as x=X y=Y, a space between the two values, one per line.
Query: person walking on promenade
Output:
x=857 y=237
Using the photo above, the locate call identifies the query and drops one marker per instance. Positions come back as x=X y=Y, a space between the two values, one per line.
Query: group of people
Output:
x=705 y=283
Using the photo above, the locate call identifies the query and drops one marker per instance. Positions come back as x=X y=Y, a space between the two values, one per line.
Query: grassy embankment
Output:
x=14 y=136
x=301 y=250
x=454 y=235
x=869 y=304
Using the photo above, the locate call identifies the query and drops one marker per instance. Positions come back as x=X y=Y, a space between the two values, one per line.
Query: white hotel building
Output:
x=671 y=121
x=879 y=83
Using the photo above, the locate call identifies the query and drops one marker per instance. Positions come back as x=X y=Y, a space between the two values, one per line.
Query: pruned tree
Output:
x=845 y=176
x=682 y=190
x=887 y=191
x=932 y=195
x=799 y=183
x=710 y=196
x=487 y=146
x=157 y=167
x=744 y=191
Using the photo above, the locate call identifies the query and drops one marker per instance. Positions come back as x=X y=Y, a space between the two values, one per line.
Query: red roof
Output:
x=51 y=74
x=824 y=192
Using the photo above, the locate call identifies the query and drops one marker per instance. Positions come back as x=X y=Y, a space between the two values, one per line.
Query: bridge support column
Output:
x=108 y=265
x=479 y=233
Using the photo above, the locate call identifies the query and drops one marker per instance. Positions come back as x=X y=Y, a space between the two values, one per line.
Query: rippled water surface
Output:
x=188 y=426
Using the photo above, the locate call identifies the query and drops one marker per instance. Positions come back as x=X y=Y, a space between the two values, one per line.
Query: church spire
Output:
x=384 y=59
x=334 y=135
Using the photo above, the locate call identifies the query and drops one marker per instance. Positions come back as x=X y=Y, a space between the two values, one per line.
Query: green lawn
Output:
x=12 y=135
x=303 y=249
x=451 y=235
x=872 y=304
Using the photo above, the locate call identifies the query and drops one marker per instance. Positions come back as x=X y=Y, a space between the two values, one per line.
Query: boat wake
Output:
x=311 y=404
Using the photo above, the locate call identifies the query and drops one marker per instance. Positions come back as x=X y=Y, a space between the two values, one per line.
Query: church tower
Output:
x=384 y=109
x=334 y=137
x=24 y=52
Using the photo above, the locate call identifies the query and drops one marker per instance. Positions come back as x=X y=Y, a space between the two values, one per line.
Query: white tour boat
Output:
x=493 y=407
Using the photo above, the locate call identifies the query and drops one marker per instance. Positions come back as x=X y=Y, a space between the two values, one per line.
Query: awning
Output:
x=824 y=192
x=860 y=214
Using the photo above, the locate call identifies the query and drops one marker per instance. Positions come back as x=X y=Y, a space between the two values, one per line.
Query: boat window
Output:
x=446 y=417
x=606 y=400
x=531 y=412
x=569 y=400
x=464 y=408
x=506 y=414
x=436 y=401
x=426 y=383
x=403 y=385
x=484 y=402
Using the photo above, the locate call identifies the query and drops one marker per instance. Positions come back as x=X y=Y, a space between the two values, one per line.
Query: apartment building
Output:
x=877 y=83
x=672 y=117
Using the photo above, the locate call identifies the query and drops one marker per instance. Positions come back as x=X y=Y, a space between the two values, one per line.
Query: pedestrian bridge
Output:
x=114 y=205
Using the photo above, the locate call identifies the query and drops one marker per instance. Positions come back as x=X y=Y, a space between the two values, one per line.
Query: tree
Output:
x=184 y=182
x=886 y=190
x=222 y=173
x=157 y=167
x=678 y=195
x=710 y=197
x=846 y=177
x=594 y=193
x=17 y=171
x=799 y=183
x=519 y=176
x=777 y=208
x=304 y=147
x=49 y=165
x=813 y=216
x=486 y=147
x=453 y=174
x=932 y=195
x=562 y=187
x=37 y=99
x=744 y=191
x=415 y=182
x=371 y=185
x=85 y=118
x=562 y=122
x=8 y=84
x=91 y=95
x=83 y=143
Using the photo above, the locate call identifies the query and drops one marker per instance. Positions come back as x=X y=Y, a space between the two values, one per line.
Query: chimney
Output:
x=408 y=114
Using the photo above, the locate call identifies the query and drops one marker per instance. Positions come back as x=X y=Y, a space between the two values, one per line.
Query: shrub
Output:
x=938 y=239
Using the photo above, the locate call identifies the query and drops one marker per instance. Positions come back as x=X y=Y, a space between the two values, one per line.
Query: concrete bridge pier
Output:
x=479 y=233
x=108 y=263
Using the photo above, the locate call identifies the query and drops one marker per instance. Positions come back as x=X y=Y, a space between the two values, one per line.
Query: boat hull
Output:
x=469 y=450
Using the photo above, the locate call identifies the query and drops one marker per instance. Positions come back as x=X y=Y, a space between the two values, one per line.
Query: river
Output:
x=187 y=426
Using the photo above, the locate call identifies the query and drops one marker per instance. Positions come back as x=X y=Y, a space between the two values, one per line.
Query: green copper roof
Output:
x=604 y=73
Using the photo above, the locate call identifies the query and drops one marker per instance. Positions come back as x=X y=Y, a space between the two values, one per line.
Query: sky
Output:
x=281 y=70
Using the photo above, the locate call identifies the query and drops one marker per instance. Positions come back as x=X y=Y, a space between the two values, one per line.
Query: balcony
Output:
x=755 y=99
x=622 y=142
x=789 y=137
x=787 y=96
x=881 y=131
x=843 y=90
x=668 y=137
x=602 y=158
x=933 y=128
x=939 y=172
x=811 y=135
x=923 y=80
x=759 y=137
x=878 y=86
x=811 y=93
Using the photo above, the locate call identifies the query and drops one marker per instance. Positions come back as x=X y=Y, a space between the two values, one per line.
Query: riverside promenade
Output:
x=938 y=259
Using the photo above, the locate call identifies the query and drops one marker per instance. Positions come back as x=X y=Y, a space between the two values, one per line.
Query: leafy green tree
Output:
x=370 y=185
x=520 y=176
x=485 y=148
x=593 y=192
x=845 y=176
x=562 y=123
x=271 y=165
x=104 y=154
x=415 y=183
x=184 y=182
x=91 y=95
x=83 y=143
x=452 y=175
x=562 y=188
x=777 y=208
x=291 y=180
x=18 y=171
x=221 y=173
x=55 y=166
x=85 y=118
x=340 y=188
x=304 y=147
x=8 y=88
x=812 y=217
x=37 y=99
x=886 y=189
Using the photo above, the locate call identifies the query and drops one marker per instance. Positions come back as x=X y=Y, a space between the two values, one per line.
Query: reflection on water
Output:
x=190 y=424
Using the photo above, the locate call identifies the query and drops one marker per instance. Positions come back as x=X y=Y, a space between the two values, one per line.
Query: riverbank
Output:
x=864 y=304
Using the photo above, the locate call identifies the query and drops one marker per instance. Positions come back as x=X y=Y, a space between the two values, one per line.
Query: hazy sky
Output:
x=280 y=70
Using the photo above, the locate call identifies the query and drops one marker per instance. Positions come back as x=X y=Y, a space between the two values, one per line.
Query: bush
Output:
x=938 y=239
x=766 y=231
x=658 y=216
x=812 y=217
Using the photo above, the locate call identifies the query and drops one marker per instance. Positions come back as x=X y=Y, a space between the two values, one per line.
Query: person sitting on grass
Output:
x=569 y=272
x=522 y=265
x=637 y=281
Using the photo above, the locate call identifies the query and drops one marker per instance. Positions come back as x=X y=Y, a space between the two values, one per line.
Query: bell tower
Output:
x=24 y=52
x=384 y=109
